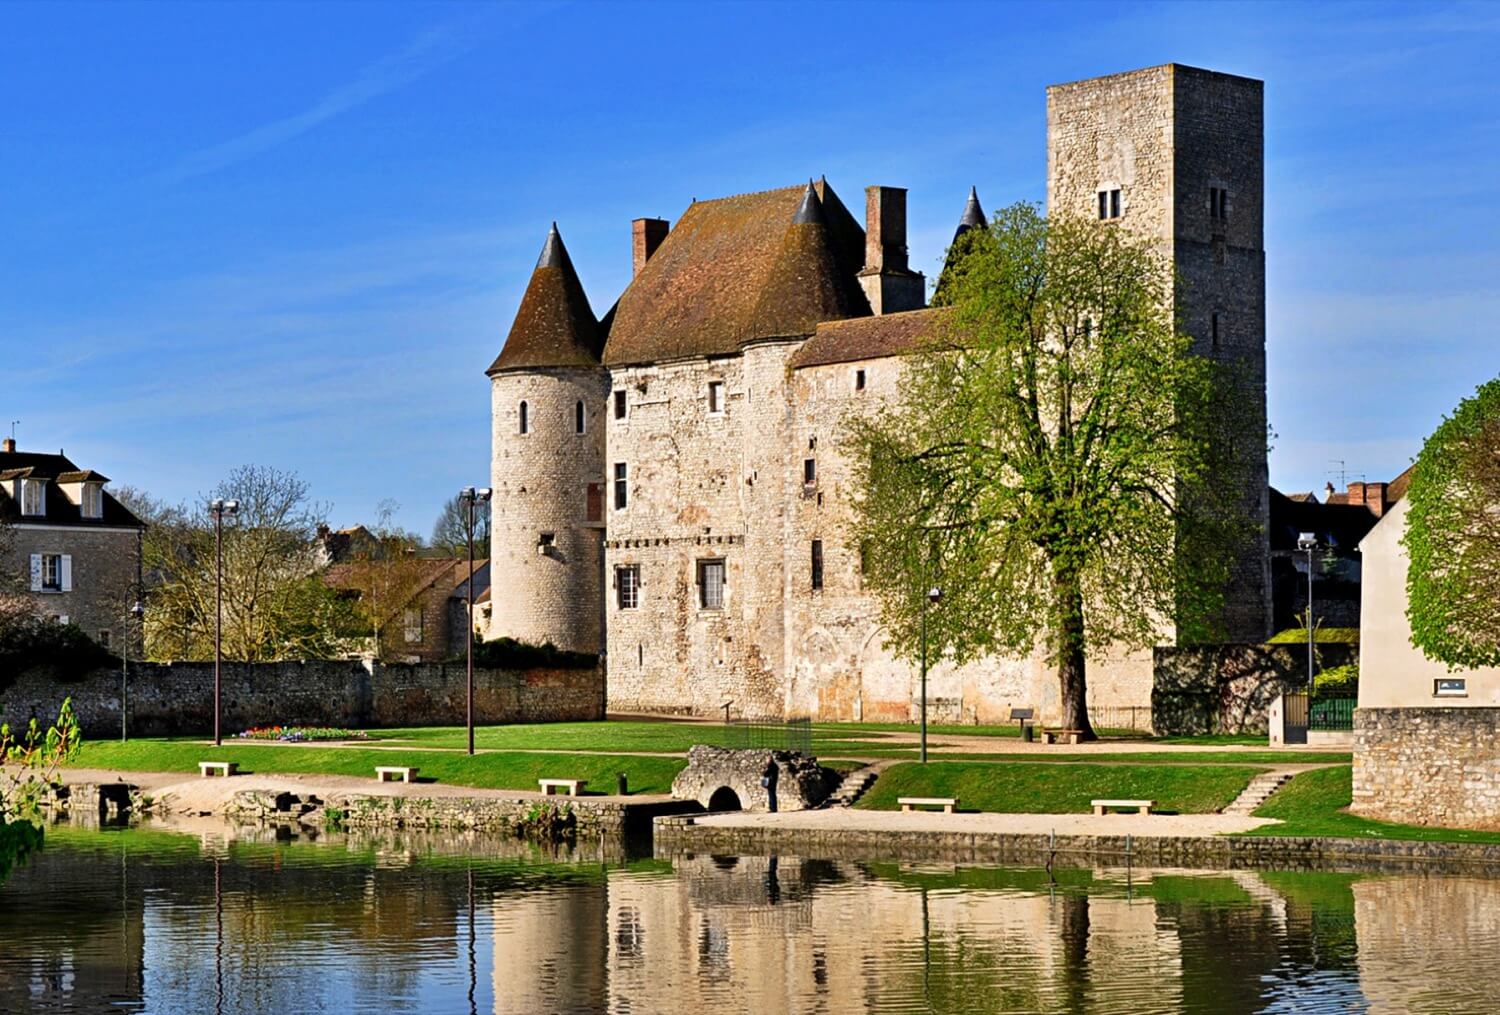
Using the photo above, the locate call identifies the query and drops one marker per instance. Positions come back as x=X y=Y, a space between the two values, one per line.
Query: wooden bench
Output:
x=573 y=786
x=1054 y=736
x=909 y=803
x=1140 y=806
x=223 y=768
x=393 y=773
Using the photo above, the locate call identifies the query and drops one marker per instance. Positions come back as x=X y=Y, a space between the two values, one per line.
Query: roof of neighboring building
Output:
x=864 y=338
x=1337 y=525
x=60 y=510
x=716 y=279
x=1396 y=488
x=555 y=326
x=444 y=572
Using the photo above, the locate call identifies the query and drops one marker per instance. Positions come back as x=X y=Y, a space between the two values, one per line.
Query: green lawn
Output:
x=617 y=735
x=1042 y=788
x=1313 y=804
x=1160 y=758
x=493 y=771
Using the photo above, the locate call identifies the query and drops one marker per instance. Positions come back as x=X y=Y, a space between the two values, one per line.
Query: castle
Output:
x=669 y=486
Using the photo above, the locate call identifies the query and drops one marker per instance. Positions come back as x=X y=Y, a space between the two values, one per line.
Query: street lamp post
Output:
x=934 y=594
x=471 y=498
x=1308 y=542
x=219 y=508
x=136 y=612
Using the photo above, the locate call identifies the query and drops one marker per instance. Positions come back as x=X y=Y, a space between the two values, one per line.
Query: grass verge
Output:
x=1041 y=788
x=1314 y=804
x=485 y=771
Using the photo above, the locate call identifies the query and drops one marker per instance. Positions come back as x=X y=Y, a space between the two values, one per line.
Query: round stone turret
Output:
x=548 y=399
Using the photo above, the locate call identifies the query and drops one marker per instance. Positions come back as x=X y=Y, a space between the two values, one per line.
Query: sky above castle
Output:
x=295 y=235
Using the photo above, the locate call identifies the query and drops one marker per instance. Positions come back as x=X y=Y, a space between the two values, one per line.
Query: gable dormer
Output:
x=85 y=491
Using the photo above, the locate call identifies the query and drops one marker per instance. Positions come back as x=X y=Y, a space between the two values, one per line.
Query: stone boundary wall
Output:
x=1230 y=688
x=1428 y=766
x=677 y=836
x=168 y=699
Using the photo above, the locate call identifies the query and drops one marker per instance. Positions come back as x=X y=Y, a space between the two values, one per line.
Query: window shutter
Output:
x=67 y=572
x=36 y=572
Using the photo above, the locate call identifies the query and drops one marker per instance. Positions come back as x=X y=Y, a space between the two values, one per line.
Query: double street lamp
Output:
x=219 y=508
x=471 y=499
x=934 y=595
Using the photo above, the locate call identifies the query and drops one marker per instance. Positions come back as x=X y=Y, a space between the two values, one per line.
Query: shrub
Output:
x=1337 y=682
x=60 y=651
x=510 y=654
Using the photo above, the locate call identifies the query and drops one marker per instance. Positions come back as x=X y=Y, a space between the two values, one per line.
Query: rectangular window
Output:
x=1218 y=204
x=628 y=586
x=52 y=572
x=411 y=623
x=1103 y=204
x=620 y=404
x=859 y=380
x=864 y=557
x=33 y=497
x=711 y=584
x=1214 y=330
x=104 y=638
x=622 y=493
x=594 y=502
x=93 y=501
x=1450 y=687
x=817 y=564
x=809 y=471
x=1109 y=204
x=715 y=396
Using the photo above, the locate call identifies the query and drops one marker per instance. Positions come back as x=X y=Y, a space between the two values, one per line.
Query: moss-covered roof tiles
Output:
x=865 y=338
x=555 y=327
x=734 y=270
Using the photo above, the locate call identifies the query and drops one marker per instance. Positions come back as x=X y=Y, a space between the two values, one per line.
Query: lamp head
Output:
x=934 y=594
x=484 y=493
x=137 y=611
x=1306 y=541
x=466 y=494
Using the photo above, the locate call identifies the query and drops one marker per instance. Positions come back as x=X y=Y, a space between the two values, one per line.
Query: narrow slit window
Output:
x=620 y=404
x=817 y=564
x=622 y=493
x=1114 y=204
x=859 y=380
x=1214 y=330
x=525 y=416
x=579 y=417
x=715 y=396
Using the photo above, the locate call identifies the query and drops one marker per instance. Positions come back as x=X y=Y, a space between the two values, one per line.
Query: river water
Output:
x=146 y=920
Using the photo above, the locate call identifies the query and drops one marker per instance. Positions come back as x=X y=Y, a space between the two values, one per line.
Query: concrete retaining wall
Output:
x=177 y=698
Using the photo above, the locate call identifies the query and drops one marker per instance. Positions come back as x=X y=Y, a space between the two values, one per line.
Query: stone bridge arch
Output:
x=714 y=772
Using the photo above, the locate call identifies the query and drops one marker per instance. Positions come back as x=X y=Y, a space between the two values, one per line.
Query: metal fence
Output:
x=770 y=734
x=1332 y=714
x=1136 y=718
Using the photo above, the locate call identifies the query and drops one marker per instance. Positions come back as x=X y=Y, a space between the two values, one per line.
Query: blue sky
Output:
x=295 y=235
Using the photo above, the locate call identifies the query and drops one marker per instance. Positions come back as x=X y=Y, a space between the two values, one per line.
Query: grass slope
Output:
x=1313 y=804
x=489 y=771
x=617 y=735
x=1026 y=788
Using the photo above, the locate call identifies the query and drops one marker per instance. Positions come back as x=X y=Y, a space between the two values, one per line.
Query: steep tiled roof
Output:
x=1398 y=486
x=59 y=509
x=714 y=280
x=867 y=338
x=555 y=327
x=804 y=286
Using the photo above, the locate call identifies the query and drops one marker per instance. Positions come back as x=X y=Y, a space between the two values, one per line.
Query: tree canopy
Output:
x=450 y=531
x=1453 y=536
x=1059 y=462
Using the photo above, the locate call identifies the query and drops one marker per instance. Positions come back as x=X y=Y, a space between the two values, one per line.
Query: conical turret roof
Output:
x=554 y=327
x=804 y=286
x=971 y=227
x=973 y=216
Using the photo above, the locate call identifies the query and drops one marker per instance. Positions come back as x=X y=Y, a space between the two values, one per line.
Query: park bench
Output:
x=947 y=803
x=1055 y=736
x=573 y=786
x=223 y=768
x=393 y=773
x=1140 y=806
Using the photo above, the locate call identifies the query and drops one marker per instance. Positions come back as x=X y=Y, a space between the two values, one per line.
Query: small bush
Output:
x=60 y=651
x=1337 y=682
x=1321 y=636
x=510 y=654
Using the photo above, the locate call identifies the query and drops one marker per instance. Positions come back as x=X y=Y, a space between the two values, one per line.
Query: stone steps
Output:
x=1258 y=792
x=853 y=786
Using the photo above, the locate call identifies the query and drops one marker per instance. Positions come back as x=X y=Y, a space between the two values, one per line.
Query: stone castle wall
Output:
x=168 y=699
x=541 y=485
x=1230 y=688
x=1428 y=766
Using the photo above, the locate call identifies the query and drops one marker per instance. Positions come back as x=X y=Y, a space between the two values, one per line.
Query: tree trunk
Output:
x=1072 y=677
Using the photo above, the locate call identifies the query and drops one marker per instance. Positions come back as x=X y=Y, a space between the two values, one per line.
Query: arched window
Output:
x=525 y=418
x=578 y=418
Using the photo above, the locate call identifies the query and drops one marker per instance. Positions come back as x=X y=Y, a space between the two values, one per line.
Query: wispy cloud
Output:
x=429 y=51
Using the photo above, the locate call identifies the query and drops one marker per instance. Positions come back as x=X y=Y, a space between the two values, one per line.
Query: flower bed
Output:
x=301 y=734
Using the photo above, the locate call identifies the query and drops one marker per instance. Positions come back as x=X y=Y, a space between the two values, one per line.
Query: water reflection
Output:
x=142 y=920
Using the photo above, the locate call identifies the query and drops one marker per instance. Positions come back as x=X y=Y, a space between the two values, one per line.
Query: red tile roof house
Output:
x=422 y=627
x=72 y=549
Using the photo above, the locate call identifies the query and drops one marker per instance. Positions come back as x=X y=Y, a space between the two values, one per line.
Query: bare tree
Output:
x=387 y=573
x=450 y=531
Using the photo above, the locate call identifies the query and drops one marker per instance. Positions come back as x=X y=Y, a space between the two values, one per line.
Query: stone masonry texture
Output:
x=168 y=699
x=1428 y=766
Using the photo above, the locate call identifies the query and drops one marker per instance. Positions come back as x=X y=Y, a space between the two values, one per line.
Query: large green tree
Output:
x=1453 y=536
x=1059 y=461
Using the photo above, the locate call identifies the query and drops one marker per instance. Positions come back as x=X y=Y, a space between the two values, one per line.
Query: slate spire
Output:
x=554 y=327
x=810 y=210
x=973 y=216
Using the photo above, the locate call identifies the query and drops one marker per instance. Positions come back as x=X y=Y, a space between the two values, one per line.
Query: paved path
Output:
x=1143 y=825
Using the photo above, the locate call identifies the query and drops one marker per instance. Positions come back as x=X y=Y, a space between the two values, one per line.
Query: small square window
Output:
x=628 y=586
x=1450 y=687
x=715 y=396
x=711 y=584
x=1109 y=204
x=620 y=404
x=546 y=541
x=859 y=380
x=817 y=564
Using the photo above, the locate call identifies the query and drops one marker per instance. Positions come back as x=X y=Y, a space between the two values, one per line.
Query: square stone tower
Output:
x=1177 y=153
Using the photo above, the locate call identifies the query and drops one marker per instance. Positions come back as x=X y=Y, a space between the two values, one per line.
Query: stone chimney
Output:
x=8 y=445
x=887 y=280
x=645 y=235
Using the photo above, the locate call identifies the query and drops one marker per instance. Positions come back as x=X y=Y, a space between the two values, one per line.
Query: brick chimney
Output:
x=1371 y=495
x=645 y=236
x=887 y=280
x=8 y=445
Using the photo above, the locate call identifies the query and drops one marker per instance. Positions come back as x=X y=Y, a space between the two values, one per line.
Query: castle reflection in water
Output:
x=168 y=924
